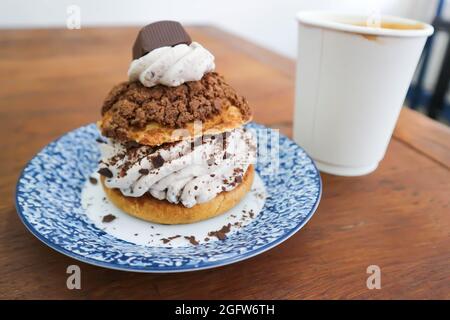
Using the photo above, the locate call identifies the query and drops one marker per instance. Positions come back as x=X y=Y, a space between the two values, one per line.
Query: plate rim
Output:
x=172 y=269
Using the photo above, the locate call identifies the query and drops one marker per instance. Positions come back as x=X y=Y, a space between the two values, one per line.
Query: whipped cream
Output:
x=172 y=66
x=187 y=172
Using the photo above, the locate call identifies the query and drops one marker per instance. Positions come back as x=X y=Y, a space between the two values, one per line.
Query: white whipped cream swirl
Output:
x=172 y=66
x=182 y=174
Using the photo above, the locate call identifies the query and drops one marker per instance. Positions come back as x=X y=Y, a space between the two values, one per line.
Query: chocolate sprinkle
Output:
x=105 y=172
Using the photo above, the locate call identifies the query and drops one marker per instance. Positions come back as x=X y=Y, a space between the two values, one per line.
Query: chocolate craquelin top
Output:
x=134 y=106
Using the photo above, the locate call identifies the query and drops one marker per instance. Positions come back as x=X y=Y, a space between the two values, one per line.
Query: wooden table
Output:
x=397 y=218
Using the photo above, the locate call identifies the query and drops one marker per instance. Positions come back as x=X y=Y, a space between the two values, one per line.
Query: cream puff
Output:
x=175 y=148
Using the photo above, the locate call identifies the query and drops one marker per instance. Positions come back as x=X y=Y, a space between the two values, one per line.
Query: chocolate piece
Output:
x=144 y=171
x=92 y=180
x=108 y=218
x=159 y=34
x=105 y=172
x=157 y=161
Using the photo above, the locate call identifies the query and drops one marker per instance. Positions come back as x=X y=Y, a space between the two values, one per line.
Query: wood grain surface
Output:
x=397 y=218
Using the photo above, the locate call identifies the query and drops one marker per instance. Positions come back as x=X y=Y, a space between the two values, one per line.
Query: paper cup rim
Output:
x=335 y=21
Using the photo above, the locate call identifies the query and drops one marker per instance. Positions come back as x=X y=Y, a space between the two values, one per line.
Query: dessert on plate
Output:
x=175 y=149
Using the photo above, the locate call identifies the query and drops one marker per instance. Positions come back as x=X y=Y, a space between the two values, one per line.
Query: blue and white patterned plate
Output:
x=49 y=202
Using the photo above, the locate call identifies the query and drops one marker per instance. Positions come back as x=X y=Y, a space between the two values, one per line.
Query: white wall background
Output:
x=270 y=23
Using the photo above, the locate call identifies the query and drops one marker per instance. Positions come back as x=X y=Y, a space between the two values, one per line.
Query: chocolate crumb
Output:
x=168 y=239
x=105 y=172
x=238 y=179
x=192 y=240
x=222 y=233
x=144 y=171
x=92 y=180
x=206 y=239
x=108 y=218
x=195 y=187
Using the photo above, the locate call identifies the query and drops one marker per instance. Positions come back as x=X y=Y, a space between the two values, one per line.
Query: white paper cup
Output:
x=350 y=87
